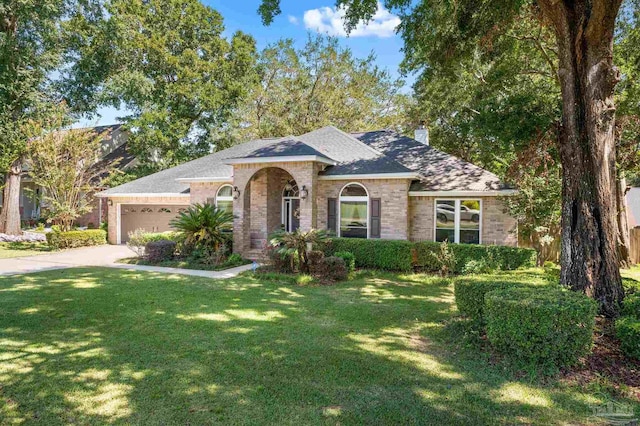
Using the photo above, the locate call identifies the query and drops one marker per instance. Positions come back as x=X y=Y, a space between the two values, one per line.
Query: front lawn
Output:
x=94 y=345
x=9 y=250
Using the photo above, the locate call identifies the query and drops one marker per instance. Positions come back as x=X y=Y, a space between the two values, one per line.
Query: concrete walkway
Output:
x=99 y=256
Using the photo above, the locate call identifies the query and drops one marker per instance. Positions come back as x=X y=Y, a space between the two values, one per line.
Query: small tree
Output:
x=66 y=164
x=297 y=243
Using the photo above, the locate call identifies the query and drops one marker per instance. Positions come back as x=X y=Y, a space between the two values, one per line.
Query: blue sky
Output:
x=298 y=19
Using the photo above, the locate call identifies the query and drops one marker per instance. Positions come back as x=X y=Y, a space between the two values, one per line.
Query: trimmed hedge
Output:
x=628 y=331
x=628 y=325
x=631 y=305
x=501 y=258
x=390 y=255
x=405 y=256
x=540 y=327
x=470 y=295
x=72 y=239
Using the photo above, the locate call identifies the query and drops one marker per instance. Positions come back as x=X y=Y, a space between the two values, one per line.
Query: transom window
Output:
x=224 y=198
x=354 y=211
x=291 y=190
x=458 y=221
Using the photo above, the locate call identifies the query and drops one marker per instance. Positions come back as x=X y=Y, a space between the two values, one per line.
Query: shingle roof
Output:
x=440 y=171
x=285 y=147
x=379 y=152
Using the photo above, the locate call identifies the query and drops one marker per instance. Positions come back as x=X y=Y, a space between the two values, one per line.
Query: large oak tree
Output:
x=437 y=33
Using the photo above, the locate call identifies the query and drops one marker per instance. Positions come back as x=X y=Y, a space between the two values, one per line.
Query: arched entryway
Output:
x=271 y=203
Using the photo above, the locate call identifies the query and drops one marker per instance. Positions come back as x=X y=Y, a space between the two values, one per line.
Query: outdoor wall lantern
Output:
x=236 y=193
x=110 y=202
x=304 y=193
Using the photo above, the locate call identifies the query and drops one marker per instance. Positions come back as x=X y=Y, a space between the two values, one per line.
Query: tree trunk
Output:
x=10 y=215
x=589 y=259
x=624 y=240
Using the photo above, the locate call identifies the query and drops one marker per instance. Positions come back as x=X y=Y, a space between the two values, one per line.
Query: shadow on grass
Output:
x=100 y=345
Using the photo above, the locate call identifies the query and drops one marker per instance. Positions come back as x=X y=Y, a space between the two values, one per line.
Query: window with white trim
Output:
x=224 y=198
x=354 y=211
x=458 y=221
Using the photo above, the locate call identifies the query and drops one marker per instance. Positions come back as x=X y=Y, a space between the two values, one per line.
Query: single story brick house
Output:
x=375 y=184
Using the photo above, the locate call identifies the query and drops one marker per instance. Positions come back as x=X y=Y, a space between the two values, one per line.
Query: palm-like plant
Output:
x=204 y=226
x=296 y=243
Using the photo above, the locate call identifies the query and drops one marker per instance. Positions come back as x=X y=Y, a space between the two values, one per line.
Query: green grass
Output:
x=183 y=264
x=9 y=250
x=93 y=346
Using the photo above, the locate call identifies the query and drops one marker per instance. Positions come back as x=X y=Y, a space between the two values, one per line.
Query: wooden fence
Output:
x=634 y=237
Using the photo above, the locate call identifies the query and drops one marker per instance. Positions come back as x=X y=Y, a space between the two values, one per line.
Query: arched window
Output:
x=291 y=189
x=354 y=211
x=224 y=198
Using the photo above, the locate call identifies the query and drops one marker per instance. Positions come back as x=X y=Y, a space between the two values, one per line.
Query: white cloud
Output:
x=293 y=20
x=330 y=20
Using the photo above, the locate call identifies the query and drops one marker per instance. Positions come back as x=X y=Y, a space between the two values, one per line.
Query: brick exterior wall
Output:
x=93 y=217
x=258 y=211
x=393 y=194
x=112 y=234
x=201 y=192
x=497 y=226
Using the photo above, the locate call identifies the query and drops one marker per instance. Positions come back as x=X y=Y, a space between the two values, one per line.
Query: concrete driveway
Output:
x=99 y=256
x=85 y=256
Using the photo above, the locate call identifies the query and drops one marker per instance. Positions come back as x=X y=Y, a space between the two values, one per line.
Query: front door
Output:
x=291 y=214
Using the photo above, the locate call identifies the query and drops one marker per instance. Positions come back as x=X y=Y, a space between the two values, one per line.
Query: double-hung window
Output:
x=458 y=221
x=354 y=211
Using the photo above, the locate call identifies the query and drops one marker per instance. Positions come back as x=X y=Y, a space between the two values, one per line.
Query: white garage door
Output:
x=150 y=217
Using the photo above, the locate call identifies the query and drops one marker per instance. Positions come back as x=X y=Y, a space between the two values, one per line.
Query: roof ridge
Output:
x=382 y=154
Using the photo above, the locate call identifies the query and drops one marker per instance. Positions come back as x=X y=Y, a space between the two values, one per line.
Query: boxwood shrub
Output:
x=72 y=239
x=404 y=256
x=470 y=295
x=389 y=255
x=502 y=258
x=539 y=327
x=628 y=331
x=628 y=325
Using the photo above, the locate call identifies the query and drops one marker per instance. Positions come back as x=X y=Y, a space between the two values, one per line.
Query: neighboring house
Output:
x=113 y=148
x=362 y=185
x=633 y=207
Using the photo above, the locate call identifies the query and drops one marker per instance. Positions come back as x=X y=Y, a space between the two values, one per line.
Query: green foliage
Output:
x=139 y=238
x=470 y=295
x=493 y=257
x=400 y=255
x=546 y=328
x=168 y=63
x=160 y=251
x=205 y=228
x=349 y=259
x=300 y=90
x=389 y=255
x=66 y=164
x=631 y=305
x=628 y=331
x=444 y=259
x=72 y=239
x=295 y=244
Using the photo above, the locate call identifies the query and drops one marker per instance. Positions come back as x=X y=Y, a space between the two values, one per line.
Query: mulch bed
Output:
x=607 y=361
